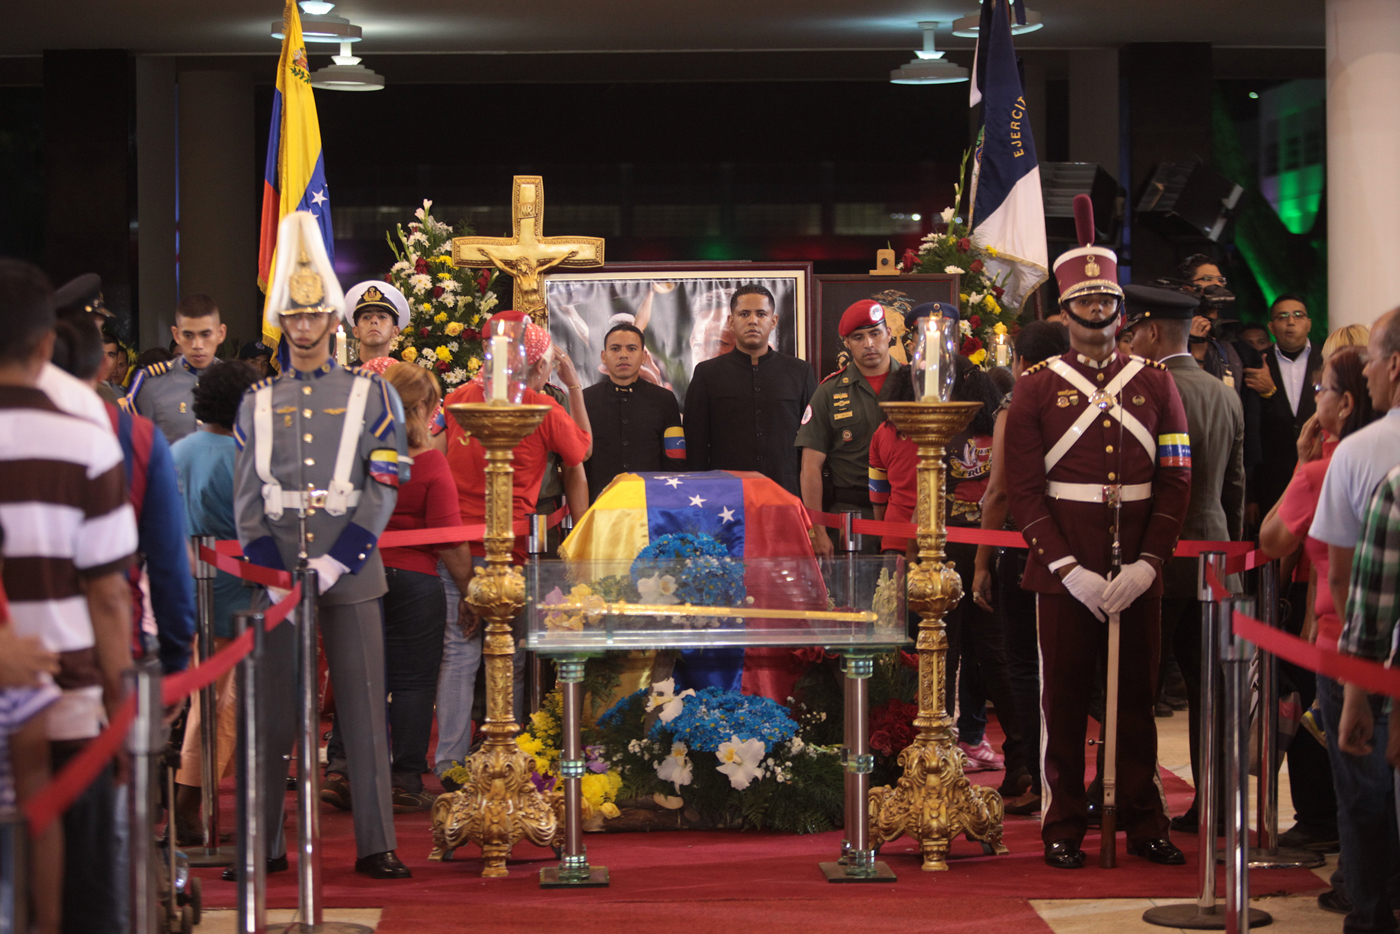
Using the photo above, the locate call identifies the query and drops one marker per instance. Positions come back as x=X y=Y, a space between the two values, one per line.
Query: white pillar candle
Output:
x=500 y=350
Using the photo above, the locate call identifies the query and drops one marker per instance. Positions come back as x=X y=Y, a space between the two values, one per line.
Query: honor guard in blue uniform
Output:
x=325 y=442
x=164 y=392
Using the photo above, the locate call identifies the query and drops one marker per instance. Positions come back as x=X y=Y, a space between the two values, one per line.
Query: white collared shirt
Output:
x=1294 y=373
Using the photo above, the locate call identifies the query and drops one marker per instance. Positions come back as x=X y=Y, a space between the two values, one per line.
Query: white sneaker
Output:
x=982 y=758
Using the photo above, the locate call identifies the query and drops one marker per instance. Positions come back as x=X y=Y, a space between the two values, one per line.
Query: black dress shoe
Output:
x=275 y=864
x=384 y=865
x=335 y=791
x=1162 y=851
x=1064 y=854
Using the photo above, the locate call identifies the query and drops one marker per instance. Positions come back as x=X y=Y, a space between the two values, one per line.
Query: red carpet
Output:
x=714 y=876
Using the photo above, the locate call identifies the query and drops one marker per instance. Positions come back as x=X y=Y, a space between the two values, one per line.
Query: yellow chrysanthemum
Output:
x=454 y=328
x=409 y=354
x=473 y=365
x=963 y=296
x=427 y=306
x=978 y=357
x=445 y=259
x=989 y=303
x=440 y=317
x=443 y=354
x=991 y=251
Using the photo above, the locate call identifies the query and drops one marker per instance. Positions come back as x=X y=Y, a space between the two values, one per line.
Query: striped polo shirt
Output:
x=66 y=518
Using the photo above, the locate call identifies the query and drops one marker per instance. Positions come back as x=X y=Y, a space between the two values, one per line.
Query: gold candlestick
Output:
x=933 y=801
x=498 y=804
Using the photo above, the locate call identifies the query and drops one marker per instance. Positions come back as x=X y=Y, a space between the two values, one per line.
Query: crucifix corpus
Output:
x=527 y=254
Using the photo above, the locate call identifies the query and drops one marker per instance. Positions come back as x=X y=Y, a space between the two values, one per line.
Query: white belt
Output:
x=312 y=499
x=1099 y=492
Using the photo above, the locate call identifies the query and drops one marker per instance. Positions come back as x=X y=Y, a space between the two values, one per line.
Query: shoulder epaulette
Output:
x=360 y=371
x=261 y=384
x=1038 y=366
x=831 y=376
x=156 y=369
x=1155 y=363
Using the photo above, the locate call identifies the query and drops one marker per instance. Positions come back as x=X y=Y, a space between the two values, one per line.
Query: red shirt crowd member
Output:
x=1090 y=427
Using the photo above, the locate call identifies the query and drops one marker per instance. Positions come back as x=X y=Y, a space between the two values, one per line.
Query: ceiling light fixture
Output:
x=966 y=27
x=319 y=24
x=347 y=74
x=928 y=65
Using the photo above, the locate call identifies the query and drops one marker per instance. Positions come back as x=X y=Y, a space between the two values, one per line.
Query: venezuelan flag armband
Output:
x=1174 y=450
x=674 y=443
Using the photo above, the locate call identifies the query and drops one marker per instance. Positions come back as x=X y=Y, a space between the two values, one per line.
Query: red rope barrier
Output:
x=65 y=787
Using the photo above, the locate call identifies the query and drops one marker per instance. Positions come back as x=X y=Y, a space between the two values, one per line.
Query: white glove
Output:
x=1131 y=583
x=328 y=571
x=1088 y=588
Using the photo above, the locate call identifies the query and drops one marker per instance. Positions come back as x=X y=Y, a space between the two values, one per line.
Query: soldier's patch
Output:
x=840 y=395
x=334 y=411
x=384 y=466
x=1174 y=450
x=807 y=415
x=846 y=435
x=1139 y=400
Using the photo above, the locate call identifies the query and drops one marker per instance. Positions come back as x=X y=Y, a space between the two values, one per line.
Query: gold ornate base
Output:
x=496 y=807
x=933 y=802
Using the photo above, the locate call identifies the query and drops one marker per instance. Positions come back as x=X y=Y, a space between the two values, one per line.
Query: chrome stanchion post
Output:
x=1268 y=854
x=1203 y=914
x=538 y=546
x=858 y=864
x=252 y=841
x=573 y=870
x=14 y=872
x=1234 y=655
x=145 y=741
x=211 y=854
x=308 y=760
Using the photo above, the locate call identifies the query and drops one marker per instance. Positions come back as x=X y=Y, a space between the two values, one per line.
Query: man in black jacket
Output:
x=1285 y=387
x=743 y=409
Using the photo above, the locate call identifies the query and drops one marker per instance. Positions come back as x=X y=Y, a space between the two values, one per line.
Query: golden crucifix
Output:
x=527 y=255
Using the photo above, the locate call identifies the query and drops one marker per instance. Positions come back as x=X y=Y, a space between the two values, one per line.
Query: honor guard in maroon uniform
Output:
x=1102 y=458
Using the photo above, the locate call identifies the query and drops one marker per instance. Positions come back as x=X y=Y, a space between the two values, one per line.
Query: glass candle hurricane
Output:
x=505 y=364
x=934 y=351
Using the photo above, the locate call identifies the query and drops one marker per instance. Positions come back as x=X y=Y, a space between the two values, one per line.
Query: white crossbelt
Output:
x=1098 y=492
x=1114 y=388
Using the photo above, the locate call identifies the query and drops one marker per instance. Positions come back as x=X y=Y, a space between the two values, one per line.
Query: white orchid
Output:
x=975 y=298
x=658 y=589
x=947 y=215
x=670 y=703
x=676 y=768
x=741 y=761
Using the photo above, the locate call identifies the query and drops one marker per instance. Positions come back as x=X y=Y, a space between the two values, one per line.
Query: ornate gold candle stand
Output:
x=933 y=801
x=497 y=805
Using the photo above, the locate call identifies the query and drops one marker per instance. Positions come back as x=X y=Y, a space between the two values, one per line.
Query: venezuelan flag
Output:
x=294 y=178
x=1174 y=450
x=750 y=515
x=674 y=442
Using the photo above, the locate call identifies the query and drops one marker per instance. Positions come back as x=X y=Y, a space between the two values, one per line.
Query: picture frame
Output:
x=899 y=294
x=684 y=309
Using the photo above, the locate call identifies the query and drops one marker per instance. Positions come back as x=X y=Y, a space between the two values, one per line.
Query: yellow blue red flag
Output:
x=295 y=175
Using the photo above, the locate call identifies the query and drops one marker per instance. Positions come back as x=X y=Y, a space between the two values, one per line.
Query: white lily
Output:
x=676 y=768
x=741 y=760
x=947 y=215
x=671 y=704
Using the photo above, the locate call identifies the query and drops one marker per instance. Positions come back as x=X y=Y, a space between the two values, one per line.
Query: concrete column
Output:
x=220 y=196
x=1363 y=159
x=155 y=198
x=1093 y=108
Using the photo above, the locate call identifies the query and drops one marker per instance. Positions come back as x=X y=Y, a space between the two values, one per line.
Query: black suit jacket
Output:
x=1279 y=426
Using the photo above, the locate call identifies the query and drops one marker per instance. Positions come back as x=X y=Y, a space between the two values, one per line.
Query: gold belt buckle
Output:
x=1112 y=494
x=316 y=498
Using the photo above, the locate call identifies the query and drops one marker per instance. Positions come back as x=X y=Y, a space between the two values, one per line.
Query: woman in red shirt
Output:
x=415 y=608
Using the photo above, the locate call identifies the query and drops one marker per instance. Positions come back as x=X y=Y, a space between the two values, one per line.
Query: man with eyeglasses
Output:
x=1102 y=451
x=1285 y=386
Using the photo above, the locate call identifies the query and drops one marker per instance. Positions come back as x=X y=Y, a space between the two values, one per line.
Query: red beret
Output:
x=862 y=314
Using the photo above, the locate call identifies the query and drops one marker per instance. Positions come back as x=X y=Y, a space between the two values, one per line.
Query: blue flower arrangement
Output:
x=705 y=573
x=713 y=716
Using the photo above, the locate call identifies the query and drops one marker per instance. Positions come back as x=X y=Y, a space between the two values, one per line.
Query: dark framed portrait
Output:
x=899 y=294
x=682 y=310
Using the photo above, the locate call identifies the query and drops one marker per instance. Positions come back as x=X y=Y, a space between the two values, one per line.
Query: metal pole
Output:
x=573 y=870
x=1203 y=913
x=252 y=843
x=538 y=545
x=211 y=854
x=145 y=741
x=308 y=762
x=14 y=872
x=859 y=864
x=1268 y=854
x=850 y=546
x=1234 y=654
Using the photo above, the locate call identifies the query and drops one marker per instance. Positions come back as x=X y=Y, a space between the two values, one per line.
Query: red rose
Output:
x=811 y=654
x=437 y=291
x=483 y=280
x=471 y=334
x=998 y=291
x=975 y=321
x=970 y=346
x=421 y=267
x=424 y=332
x=910 y=260
x=443 y=366
x=964 y=245
x=909 y=659
x=880 y=742
x=977 y=266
